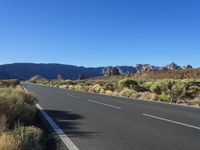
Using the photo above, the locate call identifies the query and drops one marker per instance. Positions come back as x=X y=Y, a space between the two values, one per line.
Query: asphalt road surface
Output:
x=99 y=122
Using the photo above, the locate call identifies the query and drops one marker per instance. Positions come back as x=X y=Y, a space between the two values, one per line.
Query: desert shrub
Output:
x=96 y=88
x=28 y=97
x=9 y=83
x=155 y=88
x=108 y=92
x=164 y=98
x=147 y=84
x=69 y=82
x=195 y=102
x=22 y=138
x=14 y=107
x=63 y=86
x=176 y=91
x=128 y=93
x=191 y=92
x=102 y=91
x=131 y=84
x=29 y=138
x=161 y=86
x=71 y=87
x=148 y=96
x=127 y=83
x=109 y=86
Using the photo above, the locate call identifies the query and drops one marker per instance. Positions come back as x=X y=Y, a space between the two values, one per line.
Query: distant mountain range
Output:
x=24 y=71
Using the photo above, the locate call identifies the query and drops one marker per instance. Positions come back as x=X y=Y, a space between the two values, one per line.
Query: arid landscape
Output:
x=99 y=75
x=181 y=86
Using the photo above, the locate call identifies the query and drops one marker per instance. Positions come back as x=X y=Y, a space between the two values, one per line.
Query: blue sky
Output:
x=100 y=32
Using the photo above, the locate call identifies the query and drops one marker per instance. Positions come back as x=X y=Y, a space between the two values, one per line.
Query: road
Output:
x=99 y=122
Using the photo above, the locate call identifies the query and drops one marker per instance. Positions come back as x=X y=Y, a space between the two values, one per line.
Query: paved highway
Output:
x=99 y=122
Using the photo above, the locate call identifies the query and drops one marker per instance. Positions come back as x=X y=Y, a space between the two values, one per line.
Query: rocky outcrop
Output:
x=187 y=67
x=110 y=71
x=172 y=66
x=147 y=67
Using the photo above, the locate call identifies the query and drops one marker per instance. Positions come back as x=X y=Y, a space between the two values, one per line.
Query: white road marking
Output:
x=73 y=96
x=116 y=107
x=175 y=122
x=66 y=140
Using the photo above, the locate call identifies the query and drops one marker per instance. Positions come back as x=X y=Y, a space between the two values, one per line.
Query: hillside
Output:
x=169 y=74
x=157 y=74
x=24 y=71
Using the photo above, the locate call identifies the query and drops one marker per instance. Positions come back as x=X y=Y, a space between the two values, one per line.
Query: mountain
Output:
x=24 y=71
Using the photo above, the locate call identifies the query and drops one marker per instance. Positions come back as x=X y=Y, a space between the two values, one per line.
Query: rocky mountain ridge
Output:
x=24 y=71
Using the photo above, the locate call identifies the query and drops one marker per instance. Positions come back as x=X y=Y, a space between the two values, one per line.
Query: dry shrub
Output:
x=29 y=138
x=28 y=97
x=8 y=142
x=16 y=108
x=128 y=93
x=102 y=91
x=108 y=92
x=9 y=83
x=96 y=88
x=22 y=138
x=148 y=96
x=189 y=102
x=71 y=87
x=3 y=124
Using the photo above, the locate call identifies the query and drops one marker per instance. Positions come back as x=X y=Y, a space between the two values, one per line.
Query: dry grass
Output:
x=29 y=98
x=3 y=124
x=21 y=138
x=8 y=142
x=17 y=108
x=9 y=83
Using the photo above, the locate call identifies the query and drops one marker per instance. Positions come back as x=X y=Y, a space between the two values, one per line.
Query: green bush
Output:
x=128 y=93
x=131 y=84
x=155 y=88
x=164 y=98
x=161 y=86
x=147 y=84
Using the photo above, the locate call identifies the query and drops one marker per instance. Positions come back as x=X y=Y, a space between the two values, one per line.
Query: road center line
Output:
x=175 y=122
x=73 y=96
x=116 y=107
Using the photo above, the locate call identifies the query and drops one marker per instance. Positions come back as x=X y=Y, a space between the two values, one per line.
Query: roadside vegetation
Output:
x=180 y=91
x=17 y=116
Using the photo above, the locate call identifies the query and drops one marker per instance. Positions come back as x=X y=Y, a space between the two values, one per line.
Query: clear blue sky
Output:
x=100 y=32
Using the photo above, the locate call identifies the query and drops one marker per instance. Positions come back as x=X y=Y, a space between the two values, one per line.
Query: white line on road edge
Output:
x=175 y=122
x=116 y=107
x=66 y=140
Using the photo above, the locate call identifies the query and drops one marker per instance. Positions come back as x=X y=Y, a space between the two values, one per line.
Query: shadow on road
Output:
x=70 y=123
